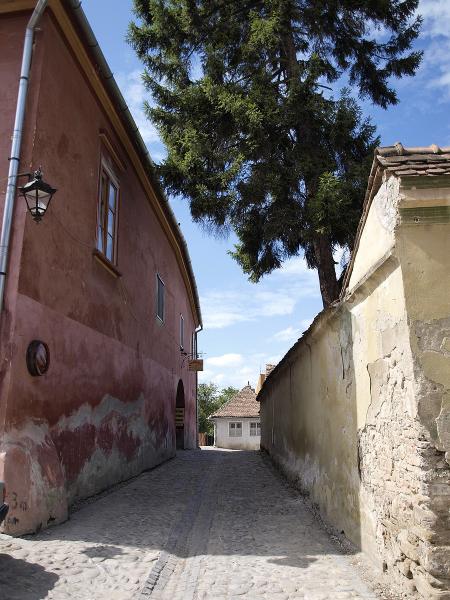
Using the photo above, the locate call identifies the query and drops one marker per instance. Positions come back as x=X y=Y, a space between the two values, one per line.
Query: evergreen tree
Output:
x=255 y=140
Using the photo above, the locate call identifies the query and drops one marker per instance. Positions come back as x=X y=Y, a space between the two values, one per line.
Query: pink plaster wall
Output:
x=105 y=409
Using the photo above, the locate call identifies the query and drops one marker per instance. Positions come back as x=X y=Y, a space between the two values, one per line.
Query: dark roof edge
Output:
x=373 y=186
x=111 y=86
x=254 y=416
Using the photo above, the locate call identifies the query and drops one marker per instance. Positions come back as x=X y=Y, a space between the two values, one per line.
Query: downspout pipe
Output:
x=197 y=331
x=16 y=144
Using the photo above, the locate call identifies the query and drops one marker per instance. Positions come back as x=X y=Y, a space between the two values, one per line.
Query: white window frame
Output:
x=255 y=431
x=235 y=429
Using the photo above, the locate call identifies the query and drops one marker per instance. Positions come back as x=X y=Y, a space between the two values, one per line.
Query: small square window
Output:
x=255 y=429
x=235 y=429
x=160 y=298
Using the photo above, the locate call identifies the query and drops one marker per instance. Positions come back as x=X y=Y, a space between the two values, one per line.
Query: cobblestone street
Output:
x=208 y=524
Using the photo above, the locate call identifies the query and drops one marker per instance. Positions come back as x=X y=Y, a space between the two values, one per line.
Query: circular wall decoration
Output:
x=38 y=358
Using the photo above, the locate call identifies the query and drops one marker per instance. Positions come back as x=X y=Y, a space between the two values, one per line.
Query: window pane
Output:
x=181 y=331
x=111 y=218
x=107 y=212
x=100 y=238
x=235 y=429
x=109 y=247
x=101 y=214
x=112 y=197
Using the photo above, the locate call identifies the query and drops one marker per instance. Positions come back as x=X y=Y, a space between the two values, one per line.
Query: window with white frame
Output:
x=235 y=429
x=255 y=428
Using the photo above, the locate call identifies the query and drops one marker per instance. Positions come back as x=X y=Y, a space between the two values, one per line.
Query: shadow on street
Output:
x=24 y=580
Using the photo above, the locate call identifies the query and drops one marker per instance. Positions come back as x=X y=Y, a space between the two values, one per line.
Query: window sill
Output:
x=107 y=264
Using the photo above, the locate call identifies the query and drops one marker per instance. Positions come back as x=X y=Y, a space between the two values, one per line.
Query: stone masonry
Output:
x=210 y=524
x=357 y=413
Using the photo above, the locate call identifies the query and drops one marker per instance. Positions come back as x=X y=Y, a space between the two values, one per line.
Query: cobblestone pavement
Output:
x=208 y=525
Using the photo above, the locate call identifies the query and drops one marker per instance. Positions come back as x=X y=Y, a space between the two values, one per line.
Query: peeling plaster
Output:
x=370 y=394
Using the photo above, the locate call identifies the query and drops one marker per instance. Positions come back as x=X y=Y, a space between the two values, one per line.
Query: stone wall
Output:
x=358 y=411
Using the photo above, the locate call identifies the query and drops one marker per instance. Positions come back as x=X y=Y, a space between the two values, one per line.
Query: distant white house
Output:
x=237 y=424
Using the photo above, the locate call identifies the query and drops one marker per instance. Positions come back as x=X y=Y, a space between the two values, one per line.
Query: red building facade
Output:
x=104 y=281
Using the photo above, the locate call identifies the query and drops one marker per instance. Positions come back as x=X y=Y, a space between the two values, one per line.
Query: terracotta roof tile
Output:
x=242 y=405
x=421 y=161
x=413 y=162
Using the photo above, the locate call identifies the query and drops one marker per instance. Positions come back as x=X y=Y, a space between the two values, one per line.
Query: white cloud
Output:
x=226 y=360
x=434 y=72
x=219 y=379
x=225 y=371
x=275 y=296
x=291 y=334
x=294 y=266
x=436 y=17
x=135 y=94
x=305 y=323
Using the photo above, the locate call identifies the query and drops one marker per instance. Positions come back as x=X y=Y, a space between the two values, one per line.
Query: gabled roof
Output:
x=242 y=405
x=414 y=162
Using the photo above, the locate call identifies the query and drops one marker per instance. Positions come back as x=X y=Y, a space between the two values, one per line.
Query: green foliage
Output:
x=210 y=399
x=255 y=139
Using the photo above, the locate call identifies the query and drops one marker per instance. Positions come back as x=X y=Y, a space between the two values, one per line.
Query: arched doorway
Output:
x=179 y=416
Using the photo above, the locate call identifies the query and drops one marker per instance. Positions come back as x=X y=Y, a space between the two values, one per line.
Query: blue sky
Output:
x=248 y=325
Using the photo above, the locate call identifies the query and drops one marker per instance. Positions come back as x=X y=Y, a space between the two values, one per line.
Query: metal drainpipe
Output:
x=197 y=331
x=16 y=144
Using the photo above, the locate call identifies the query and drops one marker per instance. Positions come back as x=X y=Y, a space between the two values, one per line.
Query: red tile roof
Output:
x=412 y=162
x=242 y=405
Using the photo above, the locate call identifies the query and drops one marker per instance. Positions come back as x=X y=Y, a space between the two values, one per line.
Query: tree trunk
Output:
x=329 y=287
x=325 y=267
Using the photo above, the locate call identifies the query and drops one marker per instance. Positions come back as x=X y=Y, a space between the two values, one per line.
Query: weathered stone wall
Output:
x=357 y=413
x=105 y=410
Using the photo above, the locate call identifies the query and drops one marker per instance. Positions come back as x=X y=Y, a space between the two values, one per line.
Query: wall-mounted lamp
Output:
x=37 y=194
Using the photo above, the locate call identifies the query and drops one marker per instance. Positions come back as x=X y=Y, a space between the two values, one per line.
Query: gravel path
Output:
x=209 y=524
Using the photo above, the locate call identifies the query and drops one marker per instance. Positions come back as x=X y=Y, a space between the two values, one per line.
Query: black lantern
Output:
x=37 y=194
